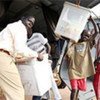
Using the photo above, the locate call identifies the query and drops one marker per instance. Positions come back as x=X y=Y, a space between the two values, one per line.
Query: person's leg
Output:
x=74 y=90
x=96 y=82
x=77 y=94
x=10 y=81
x=36 y=98
x=74 y=94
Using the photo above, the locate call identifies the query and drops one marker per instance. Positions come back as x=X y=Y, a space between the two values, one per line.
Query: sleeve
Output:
x=20 y=39
x=42 y=39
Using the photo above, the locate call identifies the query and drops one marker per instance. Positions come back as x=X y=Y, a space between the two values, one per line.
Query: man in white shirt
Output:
x=13 y=47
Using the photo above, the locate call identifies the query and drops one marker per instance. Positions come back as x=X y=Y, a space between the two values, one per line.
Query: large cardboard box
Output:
x=72 y=21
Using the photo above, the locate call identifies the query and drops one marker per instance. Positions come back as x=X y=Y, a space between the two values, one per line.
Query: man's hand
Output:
x=22 y=59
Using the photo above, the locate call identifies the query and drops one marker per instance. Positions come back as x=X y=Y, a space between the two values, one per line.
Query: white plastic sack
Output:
x=42 y=72
x=36 y=76
x=72 y=21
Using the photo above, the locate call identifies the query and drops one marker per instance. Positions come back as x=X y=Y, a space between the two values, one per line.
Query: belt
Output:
x=5 y=51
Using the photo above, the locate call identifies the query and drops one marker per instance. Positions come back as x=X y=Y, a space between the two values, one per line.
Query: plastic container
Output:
x=72 y=21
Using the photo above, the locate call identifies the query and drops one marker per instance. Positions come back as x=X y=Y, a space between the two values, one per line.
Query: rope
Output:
x=78 y=2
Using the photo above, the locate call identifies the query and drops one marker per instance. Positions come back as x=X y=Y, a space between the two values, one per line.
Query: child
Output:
x=80 y=61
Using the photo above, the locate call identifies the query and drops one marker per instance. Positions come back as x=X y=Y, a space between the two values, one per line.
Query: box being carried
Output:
x=72 y=21
x=36 y=76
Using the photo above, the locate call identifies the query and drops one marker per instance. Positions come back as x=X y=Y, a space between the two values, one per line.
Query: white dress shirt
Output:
x=13 y=38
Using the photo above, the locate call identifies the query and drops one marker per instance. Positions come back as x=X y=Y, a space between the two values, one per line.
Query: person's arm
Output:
x=19 y=37
x=98 y=24
x=48 y=47
x=97 y=60
x=93 y=35
x=22 y=48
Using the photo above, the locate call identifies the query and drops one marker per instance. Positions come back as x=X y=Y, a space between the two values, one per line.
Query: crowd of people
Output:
x=20 y=49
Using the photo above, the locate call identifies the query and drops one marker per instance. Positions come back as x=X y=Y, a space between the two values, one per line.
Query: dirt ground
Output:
x=65 y=93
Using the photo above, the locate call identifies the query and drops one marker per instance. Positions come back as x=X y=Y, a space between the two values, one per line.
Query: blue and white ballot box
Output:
x=72 y=21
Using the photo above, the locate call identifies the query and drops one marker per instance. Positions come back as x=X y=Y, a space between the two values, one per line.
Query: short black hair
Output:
x=24 y=18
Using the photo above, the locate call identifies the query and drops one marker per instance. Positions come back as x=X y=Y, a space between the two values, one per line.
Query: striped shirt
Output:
x=37 y=42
